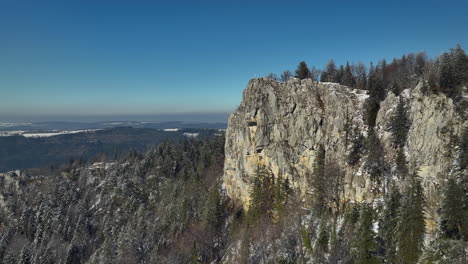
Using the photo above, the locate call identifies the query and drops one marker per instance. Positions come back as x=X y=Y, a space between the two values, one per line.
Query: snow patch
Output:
x=101 y=165
x=11 y=133
x=51 y=134
x=192 y=135
x=406 y=93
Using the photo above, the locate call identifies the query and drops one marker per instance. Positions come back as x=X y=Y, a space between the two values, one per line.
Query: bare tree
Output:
x=273 y=76
x=359 y=71
x=315 y=73
x=286 y=75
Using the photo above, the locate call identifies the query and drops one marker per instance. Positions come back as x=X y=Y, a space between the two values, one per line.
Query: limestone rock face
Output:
x=281 y=125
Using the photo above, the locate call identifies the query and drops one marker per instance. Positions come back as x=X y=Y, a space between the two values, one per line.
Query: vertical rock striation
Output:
x=281 y=125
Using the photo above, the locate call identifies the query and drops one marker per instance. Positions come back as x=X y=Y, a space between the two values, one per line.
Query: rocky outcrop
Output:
x=281 y=125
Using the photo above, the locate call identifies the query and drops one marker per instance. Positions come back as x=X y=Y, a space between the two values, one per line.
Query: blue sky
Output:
x=61 y=59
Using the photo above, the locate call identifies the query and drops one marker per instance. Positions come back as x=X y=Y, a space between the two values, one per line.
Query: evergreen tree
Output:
x=388 y=225
x=411 y=223
x=460 y=65
x=322 y=244
x=371 y=107
x=448 y=81
x=302 y=71
x=375 y=84
x=366 y=246
x=453 y=72
x=463 y=156
x=319 y=183
x=214 y=217
x=262 y=194
x=281 y=195
x=375 y=164
x=401 y=168
x=340 y=75
x=454 y=213
x=348 y=78
x=330 y=73
x=400 y=125
x=323 y=238
x=432 y=76
x=377 y=94
x=357 y=146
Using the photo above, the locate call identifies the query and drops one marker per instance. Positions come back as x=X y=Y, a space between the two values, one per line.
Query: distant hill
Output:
x=59 y=125
x=19 y=152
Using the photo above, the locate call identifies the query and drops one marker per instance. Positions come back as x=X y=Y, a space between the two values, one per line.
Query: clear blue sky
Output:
x=109 y=57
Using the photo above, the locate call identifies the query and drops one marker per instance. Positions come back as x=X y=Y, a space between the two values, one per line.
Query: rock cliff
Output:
x=281 y=125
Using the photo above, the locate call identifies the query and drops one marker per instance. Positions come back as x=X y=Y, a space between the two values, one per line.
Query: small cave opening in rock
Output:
x=252 y=123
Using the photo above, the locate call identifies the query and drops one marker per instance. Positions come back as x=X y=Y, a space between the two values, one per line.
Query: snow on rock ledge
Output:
x=281 y=125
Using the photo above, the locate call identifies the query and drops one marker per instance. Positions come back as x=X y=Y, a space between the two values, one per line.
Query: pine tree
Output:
x=214 y=210
x=372 y=106
x=375 y=84
x=214 y=216
x=377 y=93
x=375 y=164
x=463 y=157
x=400 y=125
x=460 y=65
x=330 y=73
x=357 y=146
x=302 y=71
x=448 y=81
x=323 y=237
x=262 y=194
x=411 y=223
x=340 y=75
x=454 y=214
x=366 y=245
x=281 y=195
x=348 y=78
x=388 y=225
x=400 y=162
x=319 y=183
x=322 y=244
x=432 y=76
x=453 y=72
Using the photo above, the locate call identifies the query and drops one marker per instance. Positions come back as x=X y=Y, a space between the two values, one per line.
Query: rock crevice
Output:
x=281 y=125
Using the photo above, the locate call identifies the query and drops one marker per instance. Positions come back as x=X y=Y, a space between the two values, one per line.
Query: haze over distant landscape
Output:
x=159 y=61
